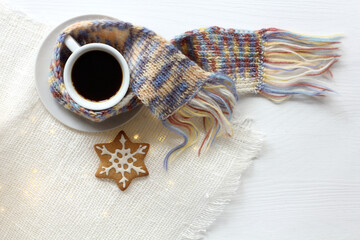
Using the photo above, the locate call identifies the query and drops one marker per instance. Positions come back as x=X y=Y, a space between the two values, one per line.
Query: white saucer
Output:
x=65 y=116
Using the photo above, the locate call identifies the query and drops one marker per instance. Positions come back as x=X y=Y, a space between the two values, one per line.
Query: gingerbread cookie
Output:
x=122 y=160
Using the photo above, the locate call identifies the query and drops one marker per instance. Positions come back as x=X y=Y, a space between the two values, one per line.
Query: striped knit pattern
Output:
x=161 y=76
x=276 y=63
x=236 y=53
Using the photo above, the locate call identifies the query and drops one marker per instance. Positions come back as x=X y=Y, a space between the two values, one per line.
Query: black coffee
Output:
x=96 y=75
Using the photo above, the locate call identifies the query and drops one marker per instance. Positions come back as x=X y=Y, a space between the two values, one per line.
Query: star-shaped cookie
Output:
x=122 y=160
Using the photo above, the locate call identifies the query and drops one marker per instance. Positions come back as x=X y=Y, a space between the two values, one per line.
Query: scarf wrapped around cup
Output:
x=199 y=74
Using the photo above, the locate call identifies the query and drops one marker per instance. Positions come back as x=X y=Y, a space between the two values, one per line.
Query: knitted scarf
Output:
x=201 y=73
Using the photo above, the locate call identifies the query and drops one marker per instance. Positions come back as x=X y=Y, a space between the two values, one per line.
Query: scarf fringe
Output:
x=295 y=64
x=214 y=103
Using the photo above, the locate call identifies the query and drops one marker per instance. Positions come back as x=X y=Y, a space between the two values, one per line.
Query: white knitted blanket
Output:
x=47 y=185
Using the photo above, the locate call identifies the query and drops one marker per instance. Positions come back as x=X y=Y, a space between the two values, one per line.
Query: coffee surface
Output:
x=96 y=75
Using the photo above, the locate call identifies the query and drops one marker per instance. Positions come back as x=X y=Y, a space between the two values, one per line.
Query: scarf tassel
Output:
x=295 y=64
x=214 y=104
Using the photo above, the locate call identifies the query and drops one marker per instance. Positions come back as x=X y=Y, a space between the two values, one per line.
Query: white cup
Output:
x=77 y=51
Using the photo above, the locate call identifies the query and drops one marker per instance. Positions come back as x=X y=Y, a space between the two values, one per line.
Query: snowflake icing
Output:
x=122 y=160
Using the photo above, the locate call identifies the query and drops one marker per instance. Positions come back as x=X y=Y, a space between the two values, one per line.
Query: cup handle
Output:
x=71 y=43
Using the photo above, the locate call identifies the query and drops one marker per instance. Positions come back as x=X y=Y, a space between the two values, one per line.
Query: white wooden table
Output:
x=306 y=183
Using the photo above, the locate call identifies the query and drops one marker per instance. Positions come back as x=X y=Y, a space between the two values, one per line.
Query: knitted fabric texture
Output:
x=236 y=53
x=275 y=63
x=161 y=76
